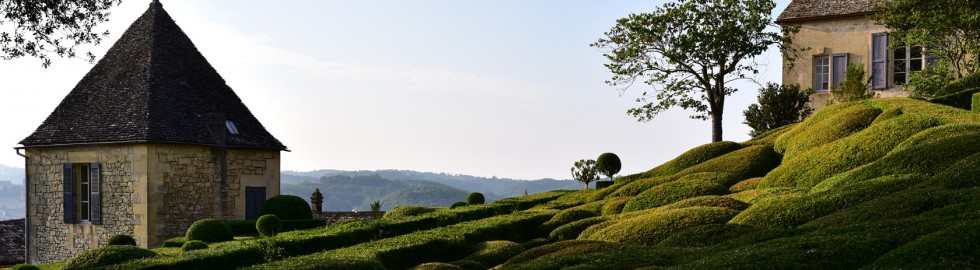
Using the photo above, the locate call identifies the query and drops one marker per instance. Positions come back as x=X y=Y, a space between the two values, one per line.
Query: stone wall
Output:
x=833 y=36
x=50 y=238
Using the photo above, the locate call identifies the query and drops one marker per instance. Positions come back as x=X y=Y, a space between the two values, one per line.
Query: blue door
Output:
x=254 y=197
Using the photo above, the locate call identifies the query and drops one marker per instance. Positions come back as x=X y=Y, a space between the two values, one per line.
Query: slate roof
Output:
x=800 y=10
x=153 y=85
x=12 y=241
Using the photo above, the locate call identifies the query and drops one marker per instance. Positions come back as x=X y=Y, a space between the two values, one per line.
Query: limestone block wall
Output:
x=832 y=36
x=250 y=168
x=123 y=205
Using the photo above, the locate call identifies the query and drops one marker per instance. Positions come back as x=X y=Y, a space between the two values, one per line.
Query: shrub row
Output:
x=439 y=244
x=247 y=227
x=652 y=228
x=690 y=158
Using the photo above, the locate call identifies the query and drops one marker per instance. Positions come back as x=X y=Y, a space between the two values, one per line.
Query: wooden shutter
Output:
x=69 y=186
x=931 y=61
x=95 y=199
x=879 y=61
x=838 y=63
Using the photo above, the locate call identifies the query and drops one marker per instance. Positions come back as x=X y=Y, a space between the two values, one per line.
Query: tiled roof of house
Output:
x=153 y=85
x=11 y=241
x=814 y=9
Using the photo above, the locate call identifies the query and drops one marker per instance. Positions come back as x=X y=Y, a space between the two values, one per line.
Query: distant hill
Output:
x=347 y=193
x=492 y=187
x=12 y=174
x=11 y=200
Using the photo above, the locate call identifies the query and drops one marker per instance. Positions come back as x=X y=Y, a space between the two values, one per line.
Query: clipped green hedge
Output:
x=710 y=200
x=193 y=245
x=976 y=102
x=690 y=158
x=436 y=266
x=469 y=265
x=408 y=211
x=248 y=228
x=105 y=256
x=571 y=230
x=121 y=240
x=287 y=207
x=564 y=217
x=209 y=230
x=578 y=254
x=747 y=184
x=268 y=225
x=652 y=228
x=24 y=266
x=952 y=248
x=674 y=191
x=614 y=205
x=175 y=242
x=962 y=99
x=493 y=253
x=797 y=210
x=748 y=162
x=826 y=125
x=706 y=235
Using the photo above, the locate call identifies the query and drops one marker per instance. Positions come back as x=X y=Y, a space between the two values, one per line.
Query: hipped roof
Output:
x=153 y=85
x=800 y=10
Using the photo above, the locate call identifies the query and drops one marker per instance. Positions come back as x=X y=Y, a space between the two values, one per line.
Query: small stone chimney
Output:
x=317 y=201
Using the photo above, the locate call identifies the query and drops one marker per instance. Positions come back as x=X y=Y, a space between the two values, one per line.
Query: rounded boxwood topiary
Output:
x=475 y=198
x=210 y=230
x=287 y=207
x=458 y=204
x=608 y=164
x=268 y=225
x=193 y=245
x=121 y=240
x=493 y=253
x=107 y=255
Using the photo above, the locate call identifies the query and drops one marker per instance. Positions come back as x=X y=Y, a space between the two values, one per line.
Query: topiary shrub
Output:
x=748 y=162
x=209 y=230
x=952 y=248
x=268 y=225
x=603 y=184
x=614 y=206
x=572 y=230
x=706 y=235
x=687 y=159
x=287 y=207
x=711 y=200
x=563 y=218
x=469 y=265
x=827 y=125
x=175 y=242
x=105 y=256
x=475 y=198
x=436 y=266
x=408 y=211
x=674 y=191
x=652 y=228
x=458 y=204
x=121 y=240
x=608 y=164
x=533 y=243
x=747 y=184
x=193 y=245
x=976 y=102
x=25 y=267
x=493 y=253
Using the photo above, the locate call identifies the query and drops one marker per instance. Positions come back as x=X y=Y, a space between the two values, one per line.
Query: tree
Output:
x=608 y=164
x=40 y=28
x=689 y=52
x=778 y=106
x=854 y=87
x=949 y=29
x=585 y=171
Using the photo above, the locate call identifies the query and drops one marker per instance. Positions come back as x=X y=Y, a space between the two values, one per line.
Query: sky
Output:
x=505 y=88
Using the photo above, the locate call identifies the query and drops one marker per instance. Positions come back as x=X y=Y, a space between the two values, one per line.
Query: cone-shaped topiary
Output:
x=193 y=245
x=475 y=198
x=121 y=240
x=210 y=230
x=287 y=207
x=268 y=225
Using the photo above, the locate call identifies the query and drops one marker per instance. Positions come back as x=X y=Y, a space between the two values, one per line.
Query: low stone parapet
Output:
x=335 y=217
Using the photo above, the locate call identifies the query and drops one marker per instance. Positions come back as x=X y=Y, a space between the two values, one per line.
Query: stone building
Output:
x=841 y=32
x=150 y=140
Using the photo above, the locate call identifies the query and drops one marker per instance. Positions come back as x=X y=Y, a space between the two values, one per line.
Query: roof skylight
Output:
x=231 y=127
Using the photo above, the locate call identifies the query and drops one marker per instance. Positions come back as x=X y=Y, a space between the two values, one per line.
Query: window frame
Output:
x=82 y=203
x=821 y=73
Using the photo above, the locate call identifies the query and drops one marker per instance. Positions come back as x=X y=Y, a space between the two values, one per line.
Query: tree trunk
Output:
x=716 y=126
x=586 y=185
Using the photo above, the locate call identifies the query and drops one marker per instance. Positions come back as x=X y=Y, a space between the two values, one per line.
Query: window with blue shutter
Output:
x=838 y=69
x=82 y=193
x=69 y=190
x=95 y=196
x=879 y=61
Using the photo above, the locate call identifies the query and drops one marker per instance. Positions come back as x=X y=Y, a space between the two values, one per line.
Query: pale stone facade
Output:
x=150 y=191
x=826 y=37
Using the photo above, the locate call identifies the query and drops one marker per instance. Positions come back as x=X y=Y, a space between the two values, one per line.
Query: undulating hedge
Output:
x=436 y=266
x=976 y=102
x=707 y=235
x=106 y=256
x=709 y=200
x=469 y=265
x=614 y=206
x=121 y=240
x=748 y=162
x=687 y=159
x=564 y=217
x=952 y=248
x=580 y=254
x=826 y=125
x=209 y=230
x=746 y=184
x=408 y=211
x=493 y=253
x=962 y=99
x=652 y=228
x=193 y=245
x=247 y=227
x=571 y=230
x=674 y=191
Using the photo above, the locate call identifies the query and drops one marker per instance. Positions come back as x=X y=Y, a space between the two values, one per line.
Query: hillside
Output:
x=877 y=184
x=347 y=193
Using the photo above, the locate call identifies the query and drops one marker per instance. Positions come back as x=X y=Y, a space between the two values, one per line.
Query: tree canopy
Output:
x=949 y=29
x=585 y=171
x=53 y=27
x=689 y=51
x=779 y=105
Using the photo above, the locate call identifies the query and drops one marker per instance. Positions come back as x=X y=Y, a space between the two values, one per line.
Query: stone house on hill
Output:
x=841 y=32
x=149 y=141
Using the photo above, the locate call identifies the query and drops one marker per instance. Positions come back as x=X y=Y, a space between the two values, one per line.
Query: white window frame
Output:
x=821 y=73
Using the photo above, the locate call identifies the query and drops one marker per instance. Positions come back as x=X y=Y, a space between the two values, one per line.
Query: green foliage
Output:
x=747 y=184
x=536 y=242
x=728 y=169
x=287 y=207
x=376 y=208
x=976 y=102
x=603 y=184
x=475 y=198
x=928 y=85
x=571 y=230
x=408 y=211
x=778 y=106
x=674 y=191
x=585 y=171
x=209 y=230
x=25 y=267
x=952 y=248
x=175 y=242
x=711 y=200
x=564 y=217
x=655 y=227
x=493 y=253
x=854 y=87
x=614 y=205
x=579 y=254
x=706 y=235
x=608 y=164
x=949 y=28
x=469 y=265
x=436 y=266
x=688 y=50
x=268 y=225
x=193 y=245
x=53 y=28
x=458 y=204
x=689 y=158
x=826 y=126
x=121 y=240
x=105 y=256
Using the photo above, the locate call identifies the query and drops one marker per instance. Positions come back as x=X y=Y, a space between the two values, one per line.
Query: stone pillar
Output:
x=317 y=201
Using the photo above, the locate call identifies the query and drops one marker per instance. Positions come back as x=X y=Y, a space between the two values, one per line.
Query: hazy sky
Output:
x=506 y=88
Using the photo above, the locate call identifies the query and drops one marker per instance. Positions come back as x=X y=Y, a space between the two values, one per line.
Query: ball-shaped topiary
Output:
x=475 y=198
x=105 y=256
x=287 y=207
x=121 y=240
x=458 y=204
x=193 y=245
x=268 y=225
x=210 y=230
x=608 y=164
